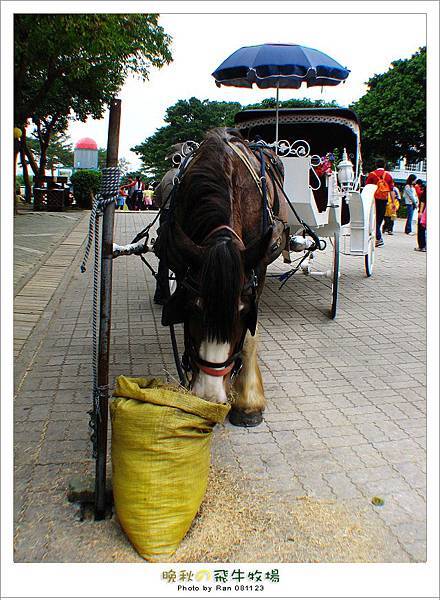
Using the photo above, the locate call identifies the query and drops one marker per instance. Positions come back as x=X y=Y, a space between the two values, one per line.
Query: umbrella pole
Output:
x=276 y=118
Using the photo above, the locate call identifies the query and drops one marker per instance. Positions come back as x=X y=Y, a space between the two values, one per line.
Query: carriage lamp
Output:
x=345 y=171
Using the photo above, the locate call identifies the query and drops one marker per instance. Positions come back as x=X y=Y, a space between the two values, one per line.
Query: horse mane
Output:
x=205 y=195
x=205 y=189
x=220 y=287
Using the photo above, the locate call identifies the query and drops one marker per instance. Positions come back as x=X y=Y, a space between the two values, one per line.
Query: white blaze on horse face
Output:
x=207 y=386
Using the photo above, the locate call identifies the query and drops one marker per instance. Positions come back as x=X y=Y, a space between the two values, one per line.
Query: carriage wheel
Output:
x=335 y=279
x=369 y=257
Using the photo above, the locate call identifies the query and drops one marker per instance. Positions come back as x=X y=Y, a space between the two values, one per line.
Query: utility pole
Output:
x=105 y=307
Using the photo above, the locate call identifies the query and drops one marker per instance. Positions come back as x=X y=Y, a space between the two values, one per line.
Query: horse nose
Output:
x=210 y=388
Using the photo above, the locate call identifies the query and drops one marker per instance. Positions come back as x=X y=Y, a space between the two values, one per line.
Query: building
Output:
x=403 y=170
x=85 y=154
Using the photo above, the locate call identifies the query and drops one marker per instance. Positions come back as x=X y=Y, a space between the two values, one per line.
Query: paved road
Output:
x=36 y=234
x=346 y=412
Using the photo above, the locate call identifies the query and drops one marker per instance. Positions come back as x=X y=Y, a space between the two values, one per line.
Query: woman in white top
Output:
x=411 y=201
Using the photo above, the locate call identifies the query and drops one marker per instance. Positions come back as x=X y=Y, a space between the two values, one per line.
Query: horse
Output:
x=226 y=225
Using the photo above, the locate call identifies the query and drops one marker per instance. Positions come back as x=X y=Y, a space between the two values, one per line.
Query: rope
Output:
x=107 y=194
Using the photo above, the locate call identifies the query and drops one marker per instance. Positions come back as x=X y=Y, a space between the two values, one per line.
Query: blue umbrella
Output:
x=279 y=66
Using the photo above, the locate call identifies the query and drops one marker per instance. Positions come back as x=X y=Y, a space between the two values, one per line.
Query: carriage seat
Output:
x=297 y=187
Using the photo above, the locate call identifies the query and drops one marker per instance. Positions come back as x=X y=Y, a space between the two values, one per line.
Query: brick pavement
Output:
x=36 y=235
x=44 y=243
x=346 y=412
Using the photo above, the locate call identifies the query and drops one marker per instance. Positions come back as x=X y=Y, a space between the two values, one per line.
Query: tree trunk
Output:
x=43 y=162
x=16 y=150
x=44 y=137
x=32 y=162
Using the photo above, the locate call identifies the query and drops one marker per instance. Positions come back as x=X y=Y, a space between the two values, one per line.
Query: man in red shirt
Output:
x=385 y=185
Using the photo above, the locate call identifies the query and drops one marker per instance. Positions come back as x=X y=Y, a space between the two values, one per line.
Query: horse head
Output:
x=217 y=299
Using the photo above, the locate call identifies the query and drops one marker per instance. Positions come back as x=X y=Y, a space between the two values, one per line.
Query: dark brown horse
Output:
x=221 y=235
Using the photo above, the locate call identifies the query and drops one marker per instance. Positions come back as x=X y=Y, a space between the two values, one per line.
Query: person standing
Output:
x=121 y=198
x=411 y=202
x=138 y=189
x=385 y=185
x=129 y=200
x=391 y=212
x=421 y=223
x=147 y=198
x=135 y=193
x=418 y=186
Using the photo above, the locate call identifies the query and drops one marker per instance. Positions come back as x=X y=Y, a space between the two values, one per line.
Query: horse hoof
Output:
x=239 y=418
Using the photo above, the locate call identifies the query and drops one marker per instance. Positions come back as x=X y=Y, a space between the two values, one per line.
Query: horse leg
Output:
x=248 y=398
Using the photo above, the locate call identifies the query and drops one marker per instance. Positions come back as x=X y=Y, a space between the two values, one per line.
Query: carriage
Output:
x=321 y=154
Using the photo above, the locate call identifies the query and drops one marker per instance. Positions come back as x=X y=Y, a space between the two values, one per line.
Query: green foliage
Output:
x=293 y=103
x=85 y=185
x=102 y=158
x=393 y=112
x=77 y=62
x=19 y=180
x=59 y=150
x=186 y=120
x=72 y=65
x=191 y=119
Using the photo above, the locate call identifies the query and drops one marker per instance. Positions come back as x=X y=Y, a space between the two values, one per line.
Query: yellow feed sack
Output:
x=161 y=442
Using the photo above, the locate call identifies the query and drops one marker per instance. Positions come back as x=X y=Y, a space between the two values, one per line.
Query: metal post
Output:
x=105 y=306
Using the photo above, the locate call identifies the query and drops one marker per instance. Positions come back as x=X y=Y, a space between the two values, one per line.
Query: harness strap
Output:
x=214 y=371
x=221 y=227
x=248 y=164
x=212 y=365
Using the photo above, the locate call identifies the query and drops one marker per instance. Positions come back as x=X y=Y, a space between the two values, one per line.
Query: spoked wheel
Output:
x=335 y=280
x=369 y=257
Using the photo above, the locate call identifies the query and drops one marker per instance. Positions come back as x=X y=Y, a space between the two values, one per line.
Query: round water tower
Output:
x=85 y=155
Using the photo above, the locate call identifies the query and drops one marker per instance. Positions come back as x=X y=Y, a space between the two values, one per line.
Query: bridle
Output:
x=234 y=363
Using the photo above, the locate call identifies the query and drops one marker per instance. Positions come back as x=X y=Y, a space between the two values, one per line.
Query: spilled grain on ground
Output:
x=243 y=521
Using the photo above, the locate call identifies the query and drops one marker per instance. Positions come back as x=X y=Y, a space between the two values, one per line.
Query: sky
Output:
x=201 y=42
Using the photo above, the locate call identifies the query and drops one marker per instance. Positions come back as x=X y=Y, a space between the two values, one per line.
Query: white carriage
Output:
x=332 y=203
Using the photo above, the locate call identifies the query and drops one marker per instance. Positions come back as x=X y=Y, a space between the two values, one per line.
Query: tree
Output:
x=86 y=185
x=123 y=163
x=102 y=158
x=49 y=149
x=393 y=112
x=85 y=61
x=52 y=145
x=186 y=120
x=191 y=119
x=293 y=103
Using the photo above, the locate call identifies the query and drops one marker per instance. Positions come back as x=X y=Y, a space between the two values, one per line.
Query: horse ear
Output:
x=255 y=252
x=190 y=251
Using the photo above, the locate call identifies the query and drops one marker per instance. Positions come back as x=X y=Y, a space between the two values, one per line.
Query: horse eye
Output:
x=197 y=305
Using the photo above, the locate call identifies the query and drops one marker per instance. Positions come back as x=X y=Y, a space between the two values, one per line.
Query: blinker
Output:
x=173 y=311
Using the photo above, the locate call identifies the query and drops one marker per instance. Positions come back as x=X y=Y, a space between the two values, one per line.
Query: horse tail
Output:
x=221 y=283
